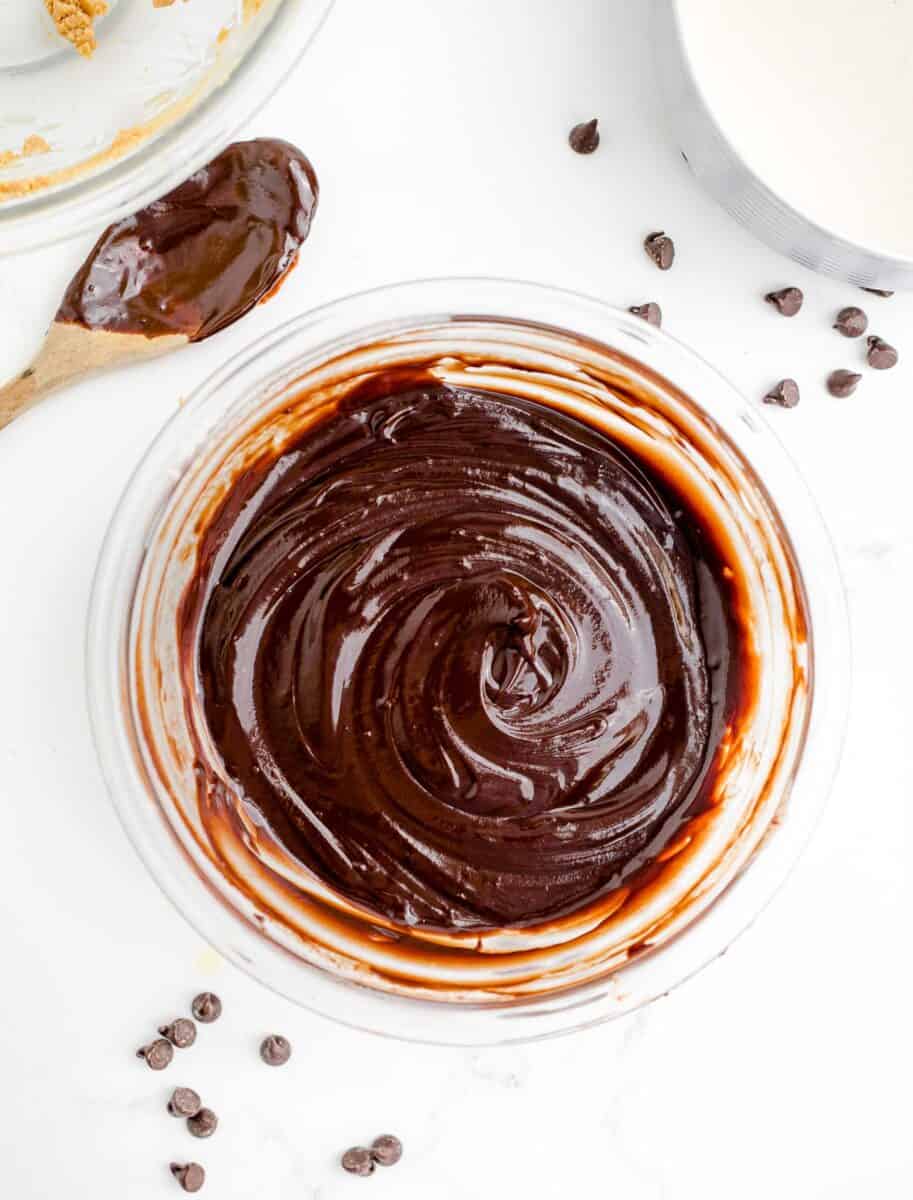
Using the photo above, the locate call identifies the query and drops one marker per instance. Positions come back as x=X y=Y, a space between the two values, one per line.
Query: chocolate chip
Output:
x=158 y=1054
x=650 y=312
x=207 y=1007
x=842 y=383
x=785 y=394
x=181 y=1033
x=851 y=322
x=661 y=249
x=27 y=373
x=184 y=1102
x=190 y=1176
x=358 y=1161
x=203 y=1124
x=275 y=1050
x=878 y=292
x=880 y=354
x=584 y=138
x=787 y=301
x=386 y=1150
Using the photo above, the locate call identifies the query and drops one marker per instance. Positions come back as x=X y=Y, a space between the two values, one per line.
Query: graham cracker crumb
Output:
x=35 y=144
x=74 y=18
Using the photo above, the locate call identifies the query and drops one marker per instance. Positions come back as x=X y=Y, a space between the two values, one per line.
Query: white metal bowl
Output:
x=815 y=203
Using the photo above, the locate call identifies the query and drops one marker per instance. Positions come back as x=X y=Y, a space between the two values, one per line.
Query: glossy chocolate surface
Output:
x=201 y=257
x=467 y=659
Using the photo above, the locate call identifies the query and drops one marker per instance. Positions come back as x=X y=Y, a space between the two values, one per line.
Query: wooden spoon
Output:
x=179 y=270
x=71 y=351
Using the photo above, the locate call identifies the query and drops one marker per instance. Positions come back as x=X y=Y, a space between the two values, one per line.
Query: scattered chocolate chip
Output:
x=787 y=301
x=878 y=292
x=661 y=249
x=27 y=373
x=184 y=1102
x=181 y=1033
x=387 y=1150
x=207 y=1007
x=842 y=383
x=190 y=1176
x=785 y=394
x=851 y=322
x=158 y=1054
x=275 y=1050
x=203 y=1124
x=358 y=1161
x=650 y=312
x=584 y=138
x=880 y=354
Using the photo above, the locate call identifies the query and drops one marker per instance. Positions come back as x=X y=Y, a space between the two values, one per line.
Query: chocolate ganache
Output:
x=467 y=659
x=202 y=256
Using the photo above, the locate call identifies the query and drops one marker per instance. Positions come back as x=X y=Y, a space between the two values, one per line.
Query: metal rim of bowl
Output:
x=723 y=173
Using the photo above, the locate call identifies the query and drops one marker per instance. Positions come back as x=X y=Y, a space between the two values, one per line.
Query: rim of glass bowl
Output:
x=173 y=155
x=363 y=318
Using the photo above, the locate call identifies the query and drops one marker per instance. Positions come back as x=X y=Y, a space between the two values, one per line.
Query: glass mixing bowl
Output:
x=515 y=335
x=84 y=141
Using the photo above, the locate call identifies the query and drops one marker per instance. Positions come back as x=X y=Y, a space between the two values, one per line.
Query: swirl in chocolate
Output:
x=467 y=659
x=201 y=257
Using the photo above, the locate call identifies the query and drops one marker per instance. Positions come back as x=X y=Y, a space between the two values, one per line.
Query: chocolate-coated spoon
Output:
x=178 y=270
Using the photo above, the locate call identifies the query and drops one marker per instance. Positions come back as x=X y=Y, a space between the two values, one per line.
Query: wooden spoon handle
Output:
x=71 y=351
x=17 y=396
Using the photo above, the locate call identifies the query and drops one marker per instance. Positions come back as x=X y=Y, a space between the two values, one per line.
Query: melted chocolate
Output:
x=467 y=659
x=201 y=257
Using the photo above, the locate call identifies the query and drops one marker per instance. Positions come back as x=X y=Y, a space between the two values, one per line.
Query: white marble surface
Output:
x=439 y=132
